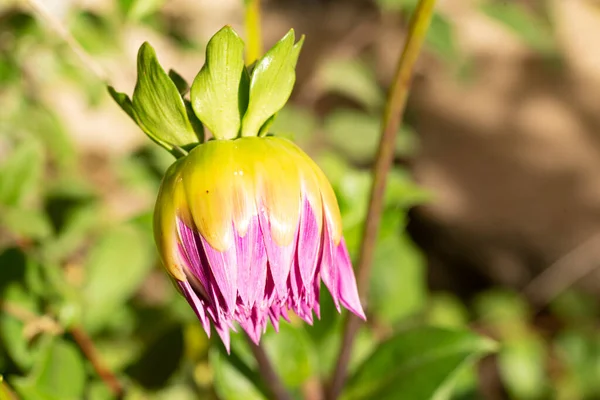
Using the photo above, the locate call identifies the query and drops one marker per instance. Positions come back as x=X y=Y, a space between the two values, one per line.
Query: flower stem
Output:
x=392 y=117
x=276 y=388
x=254 y=48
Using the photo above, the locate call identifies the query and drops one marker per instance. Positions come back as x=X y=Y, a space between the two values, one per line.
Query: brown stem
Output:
x=89 y=350
x=392 y=117
x=270 y=377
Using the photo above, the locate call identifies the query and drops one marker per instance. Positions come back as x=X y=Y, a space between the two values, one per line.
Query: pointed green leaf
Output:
x=180 y=82
x=421 y=363
x=158 y=106
x=123 y=101
x=220 y=90
x=271 y=83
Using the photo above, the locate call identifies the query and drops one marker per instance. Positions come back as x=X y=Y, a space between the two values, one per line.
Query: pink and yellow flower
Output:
x=248 y=228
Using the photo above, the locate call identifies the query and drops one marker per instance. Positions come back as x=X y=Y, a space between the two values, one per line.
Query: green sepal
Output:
x=219 y=93
x=271 y=83
x=158 y=106
x=182 y=86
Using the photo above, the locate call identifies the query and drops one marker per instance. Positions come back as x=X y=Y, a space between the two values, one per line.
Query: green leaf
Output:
x=230 y=383
x=58 y=374
x=123 y=101
x=139 y=9
x=219 y=93
x=158 y=106
x=32 y=224
x=271 y=83
x=116 y=267
x=530 y=28
x=420 y=364
x=20 y=173
x=522 y=364
x=441 y=38
x=398 y=285
x=182 y=86
x=11 y=328
x=353 y=79
x=292 y=354
x=357 y=135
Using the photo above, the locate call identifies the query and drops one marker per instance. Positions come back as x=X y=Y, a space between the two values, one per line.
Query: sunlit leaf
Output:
x=219 y=93
x=158 y=106
x=271 y=83
x=417 y=364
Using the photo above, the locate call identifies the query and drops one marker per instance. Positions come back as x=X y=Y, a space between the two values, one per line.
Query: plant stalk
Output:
x=254 y=48
x=392 y=118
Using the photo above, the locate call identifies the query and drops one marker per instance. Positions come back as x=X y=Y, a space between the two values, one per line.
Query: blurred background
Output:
x=492 y=217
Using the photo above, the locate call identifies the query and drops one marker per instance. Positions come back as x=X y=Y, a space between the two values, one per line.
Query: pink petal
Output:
x=348 y=292
x=280 y=257
x=309 y=241
x=223 y=266
x=252 y=264
x=328 y=269
x=197 y=305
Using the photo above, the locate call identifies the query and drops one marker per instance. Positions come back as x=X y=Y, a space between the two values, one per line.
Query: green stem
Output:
x=392 y=118
x=254 y=46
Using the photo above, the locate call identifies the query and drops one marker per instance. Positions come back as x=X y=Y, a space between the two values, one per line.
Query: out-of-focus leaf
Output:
x=271 y=83
x=159 y=108
x=115 y=268
x=522 y=363
x=527 y=26
x=219 y=93
x=30 y=223
x=356 y=135
x=139 y=9
x=58 y=374
x=93 y=31
x=353 y=79
x=20 y=173
x=441 y=38
x=231 y=384
x=398 y=287
x=43 y=124
x=79 y=221
x=576 y=307
x=292 y=354
x=294 y=123
x=417 y=364
x=503 y=310
x=446 y=311
x=579 y=353
x=11 y=328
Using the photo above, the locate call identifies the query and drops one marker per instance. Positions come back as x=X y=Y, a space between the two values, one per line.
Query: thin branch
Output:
x=270 y=377
x=392 y=118
x=89 y=350
x=66 y=36
x=564 y=272
x=254 y=48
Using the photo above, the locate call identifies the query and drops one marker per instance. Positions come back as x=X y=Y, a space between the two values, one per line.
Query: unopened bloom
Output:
x=248 y=228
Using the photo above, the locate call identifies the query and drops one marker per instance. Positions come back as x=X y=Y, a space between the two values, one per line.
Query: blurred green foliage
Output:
x=66 y=259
